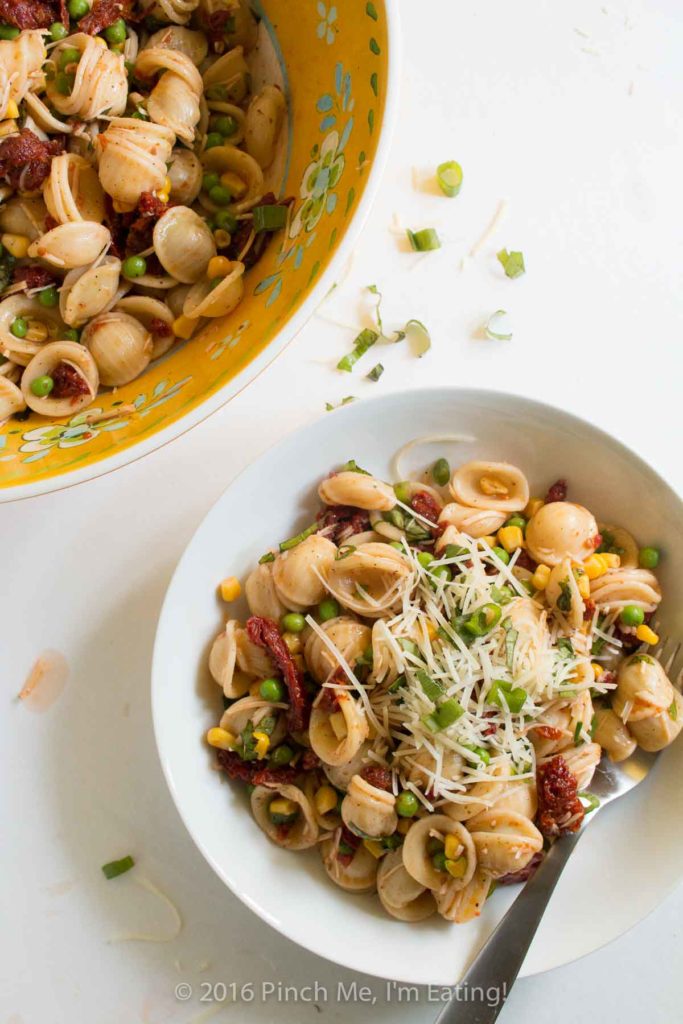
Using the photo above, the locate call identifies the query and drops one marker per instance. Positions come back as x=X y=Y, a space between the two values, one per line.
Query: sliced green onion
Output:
x=117 y=867
x=673 y=711
x=504 y=694
x=365 y=340
x=376 y=372
x=409 y=646
x=565 y=647
x=578 y=728
x=448 y=712
x=399 y=682
x=268 y=557
x=431 y=722
x=449 y=177
x=510 y=644
x=497 y=327
x=345 y=401
x=352 y=467
x=374 y=290
x=512 y=263
x=424 y=240
x=591 y=803
x=431 y=688
x=483 y=620
x=287 y=545
x=269 y=218
x=416 y=332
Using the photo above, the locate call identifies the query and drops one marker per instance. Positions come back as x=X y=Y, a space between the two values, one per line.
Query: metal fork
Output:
x=498 y=963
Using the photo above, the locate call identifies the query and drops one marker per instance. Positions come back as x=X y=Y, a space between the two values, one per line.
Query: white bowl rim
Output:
x=451 y=392
x=287 y=334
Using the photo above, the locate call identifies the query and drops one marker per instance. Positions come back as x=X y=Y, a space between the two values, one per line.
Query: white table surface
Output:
x=571 y=113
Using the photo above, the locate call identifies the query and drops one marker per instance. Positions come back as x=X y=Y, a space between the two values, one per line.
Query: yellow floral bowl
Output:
x=338 y=59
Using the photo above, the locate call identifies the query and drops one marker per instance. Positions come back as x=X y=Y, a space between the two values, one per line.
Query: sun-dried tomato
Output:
x=104 y=13
x=34 y=276
x=523 y=875
x=352 y=841
x=310 y=760
x=33 y=13
x=377 y=776
x=327 y=701
x=150 y=205
x=424 y=505
x=160 y=328
x=254 y=772
x=588 y=609
x=339 y=522
x=25 y=160
x=525 y=561
x=558 y=492
x=548 y=732
x=68 y=382
x=265 y=633
x=559 y=808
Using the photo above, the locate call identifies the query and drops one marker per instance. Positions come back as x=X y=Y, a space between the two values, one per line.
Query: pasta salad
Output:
x=429 y=676
x=135 y=190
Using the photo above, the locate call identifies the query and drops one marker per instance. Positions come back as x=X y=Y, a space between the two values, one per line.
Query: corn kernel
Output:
x=338 y=724
x=375 y=848
x=647 y=635
x=262 y=744
x=234 y=183
x=492 y=485
x=540 y=578
x=595 y=566
x=533 y=507
x=17 y=245
x=222 y=238
x=404 y=825
x=230 y=588
x=100 y=41
x=293 y=641
x=280 y=805
x=431 y=630
x=219 y=266
x=583 y=583
x=611 y=559
x=221 y=738
x=12 y=110
x=511 y=538
x=489 y=539
x=452 y=847
x=184 y=327
x=457 y=868
x=325 y=800
x=36 y=331
x=598 y=670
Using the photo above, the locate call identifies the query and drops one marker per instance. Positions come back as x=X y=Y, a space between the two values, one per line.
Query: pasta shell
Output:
x=100 y=82
x=340 y=775
x=296 y=572
x=264 y=120
x=70 y=245
x=329 y=821
x=86 y=293
x=462 y=905
x=472 y=521
x=400 y=894
x=386 y=661
x=349 y=637
x=120 y=345
x=481 y=795
x=171 y=37
x=302 y=834
x=22 y=350
x=251 y=711
x=561 y=530
x=505 y=842
x=417 y=860
x=582 y=762
x=146 y=310
x=24 y=215
x=184 y=244
x=11 y=399
x=216 y=298
x=177 y=11
x=643 y=689
x=613 y=736
x=357 y=875
x=331 y=748
x=371 y=580
x=261 y=595
x=44 y=117
x=420 y=767
x=358 y=490
x=563 y=596
x=223 y=663
x=619 y=587
x=230 y=71
x=559 y=722
x=228 y=158
x=625 y=543
x=21 y=61
x=658 y=731
x=233 y=111
x=367 y=810
x=185 y=175
x=174 y=100
x=132 y=158
x=73 y=191
x=495 y=486
x=45 y=363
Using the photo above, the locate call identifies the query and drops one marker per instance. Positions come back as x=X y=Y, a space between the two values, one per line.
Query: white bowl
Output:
x=630 y=857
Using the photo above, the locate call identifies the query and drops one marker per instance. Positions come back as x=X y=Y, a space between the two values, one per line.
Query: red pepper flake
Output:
x=266 y=634
x=25 y=160
x=377 y=776
x=559 y=809
x=558 y=492
x=104 y=13
x=68 y=381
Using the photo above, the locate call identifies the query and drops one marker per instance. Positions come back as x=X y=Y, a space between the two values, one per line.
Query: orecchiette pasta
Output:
x=438 y=708
x=120 y=345
x=98 y=85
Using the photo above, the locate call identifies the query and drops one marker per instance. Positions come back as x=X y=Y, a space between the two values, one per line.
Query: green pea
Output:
x=134 y=266
x=64 y=83
x=116 y=33
x=209 y=181
x=441 y=572
x=441 y=472
x=328 y=609
x=281 y=756
x=225 y=220
x=42 y=386
x=58 y=31
x=78 y=9
x=502 y=554
x=402 y=492
x=406 y=804
x=293 y=622
x=48 y=297
x=272 y=689
x=632 y=615
x=71 y=334
x=225 y=126
x=220 y=195
x=213 y=139
x=19 y=327
x=425 y=558
x=69 y=56
x=648 y=558
x=9 y=31
x=396 y=544
x=480 y=754
x=519 y=521
x=439 y=860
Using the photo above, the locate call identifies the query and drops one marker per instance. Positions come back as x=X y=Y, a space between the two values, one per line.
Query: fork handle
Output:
x=498 y=963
